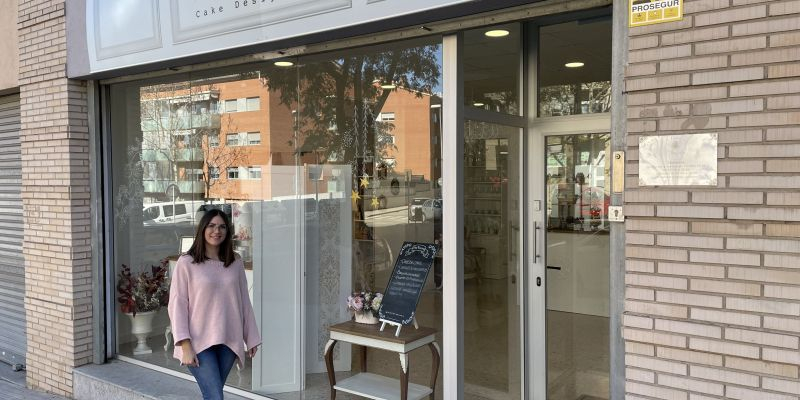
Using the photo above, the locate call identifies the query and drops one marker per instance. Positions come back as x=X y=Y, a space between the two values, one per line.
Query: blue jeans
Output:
x=215 y=365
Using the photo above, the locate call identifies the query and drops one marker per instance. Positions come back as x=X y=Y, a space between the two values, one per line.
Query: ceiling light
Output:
x=496 y=33
x=574 y=64
x=436 y=106
x=283 y=63
x=478 y=104
x=388 y=85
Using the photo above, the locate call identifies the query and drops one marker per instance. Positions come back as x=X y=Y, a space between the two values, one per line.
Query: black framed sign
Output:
x=410 y=272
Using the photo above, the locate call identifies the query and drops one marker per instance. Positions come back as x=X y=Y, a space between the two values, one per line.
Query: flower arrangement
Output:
x=146 y=291
x=360 y=302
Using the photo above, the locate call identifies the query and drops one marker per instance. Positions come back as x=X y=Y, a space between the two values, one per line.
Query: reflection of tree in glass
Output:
x=341 y=97
x=180 y=130
x=583 y=98
x=130 y=195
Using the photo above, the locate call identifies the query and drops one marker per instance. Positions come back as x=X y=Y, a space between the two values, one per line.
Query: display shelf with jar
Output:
x=485 y=200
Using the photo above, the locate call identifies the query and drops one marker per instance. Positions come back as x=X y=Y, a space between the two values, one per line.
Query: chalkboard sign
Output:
x=405 y=285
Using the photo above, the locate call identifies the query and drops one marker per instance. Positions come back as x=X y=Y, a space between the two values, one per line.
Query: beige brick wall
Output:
x=55 y=195
x=712 y=305
x=9 y=48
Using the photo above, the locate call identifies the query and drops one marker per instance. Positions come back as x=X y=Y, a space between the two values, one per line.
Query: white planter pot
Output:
x=365 y=317
x=141 y=327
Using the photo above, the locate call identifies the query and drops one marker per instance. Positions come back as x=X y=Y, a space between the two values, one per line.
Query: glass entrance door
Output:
x=492 y=254
x=569 y=190
x=577 y=266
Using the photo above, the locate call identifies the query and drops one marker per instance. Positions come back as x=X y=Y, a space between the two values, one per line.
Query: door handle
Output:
x=553 y=267
x=536 y=229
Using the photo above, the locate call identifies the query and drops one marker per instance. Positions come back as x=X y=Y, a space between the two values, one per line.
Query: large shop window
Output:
x=575 y=68
x=322 y=189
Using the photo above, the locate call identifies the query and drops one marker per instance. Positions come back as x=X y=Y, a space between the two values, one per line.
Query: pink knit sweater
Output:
x=209 y=305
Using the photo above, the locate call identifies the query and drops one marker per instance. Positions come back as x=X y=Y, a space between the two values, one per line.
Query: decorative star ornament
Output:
x=355 y=196
x=364 y=181
x=375 y=203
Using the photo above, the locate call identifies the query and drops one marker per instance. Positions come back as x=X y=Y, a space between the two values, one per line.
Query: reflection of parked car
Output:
x=415 y=209
x=432 y=210
x=169 y=212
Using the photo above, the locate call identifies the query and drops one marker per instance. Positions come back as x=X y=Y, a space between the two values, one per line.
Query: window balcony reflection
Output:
x=180 y=122
x=163 y=185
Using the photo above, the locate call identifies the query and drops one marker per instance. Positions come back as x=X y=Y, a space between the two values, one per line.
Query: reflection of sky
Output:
x=437 y=89
x=126 y=16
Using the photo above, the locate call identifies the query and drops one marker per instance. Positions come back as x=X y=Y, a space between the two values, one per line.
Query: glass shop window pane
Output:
x=369 y=176
x=318 y=176
x=578 y=195
x=575 y=68
x=492 y=65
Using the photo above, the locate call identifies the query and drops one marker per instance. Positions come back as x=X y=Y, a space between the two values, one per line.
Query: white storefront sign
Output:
x=124 y=33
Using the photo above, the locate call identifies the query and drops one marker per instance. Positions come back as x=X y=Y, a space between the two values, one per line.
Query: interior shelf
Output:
x=379 y=387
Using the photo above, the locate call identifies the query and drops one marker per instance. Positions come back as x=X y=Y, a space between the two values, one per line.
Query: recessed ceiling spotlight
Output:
x=478 y=104
x=388 y=85
x=496 y=33
x=283 y=63
x=574 y=64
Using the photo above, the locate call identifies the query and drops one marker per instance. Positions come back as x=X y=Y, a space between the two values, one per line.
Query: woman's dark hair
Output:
x=198 y=249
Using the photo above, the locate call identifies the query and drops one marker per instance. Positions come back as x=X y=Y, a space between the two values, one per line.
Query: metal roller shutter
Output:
x=12 y=265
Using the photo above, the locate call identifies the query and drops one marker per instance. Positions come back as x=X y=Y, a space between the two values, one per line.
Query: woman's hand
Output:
x=189 y=358
x=252 y=352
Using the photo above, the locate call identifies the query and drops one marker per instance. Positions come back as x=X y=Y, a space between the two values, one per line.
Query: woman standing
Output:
x=209 y=306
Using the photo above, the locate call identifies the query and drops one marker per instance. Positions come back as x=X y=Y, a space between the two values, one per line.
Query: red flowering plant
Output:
x=145 y=291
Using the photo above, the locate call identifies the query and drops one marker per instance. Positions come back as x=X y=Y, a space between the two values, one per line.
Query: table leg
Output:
x=404 y=376
x=329 y=366
x=434 y=367
x=363 y=358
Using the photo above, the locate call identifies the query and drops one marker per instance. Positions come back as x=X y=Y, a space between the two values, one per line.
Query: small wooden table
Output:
x=375 y=386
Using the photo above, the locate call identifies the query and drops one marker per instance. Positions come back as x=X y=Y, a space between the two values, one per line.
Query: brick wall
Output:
x=55 y=195
x=713 y=274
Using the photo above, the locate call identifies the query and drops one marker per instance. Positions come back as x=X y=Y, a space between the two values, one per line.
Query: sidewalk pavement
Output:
x=12 y=386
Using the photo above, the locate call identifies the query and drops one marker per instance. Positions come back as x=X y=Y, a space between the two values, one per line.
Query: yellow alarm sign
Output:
x=646 y=12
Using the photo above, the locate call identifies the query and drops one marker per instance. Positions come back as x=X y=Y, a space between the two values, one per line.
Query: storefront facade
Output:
x=506 y=134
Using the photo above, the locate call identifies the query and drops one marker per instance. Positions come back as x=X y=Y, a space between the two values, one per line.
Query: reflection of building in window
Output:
x=254 y=173
x=194 y=174
x=406 y=146
x=195 y=138
x=242 y=104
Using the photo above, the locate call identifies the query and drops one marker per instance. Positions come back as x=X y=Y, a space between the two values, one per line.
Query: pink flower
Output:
x=358 y=303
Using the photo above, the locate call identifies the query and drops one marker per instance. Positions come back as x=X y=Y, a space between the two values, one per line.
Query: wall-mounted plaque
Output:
x=678 y=160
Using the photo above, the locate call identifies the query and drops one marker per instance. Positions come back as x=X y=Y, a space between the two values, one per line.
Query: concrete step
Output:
x=120 y=380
